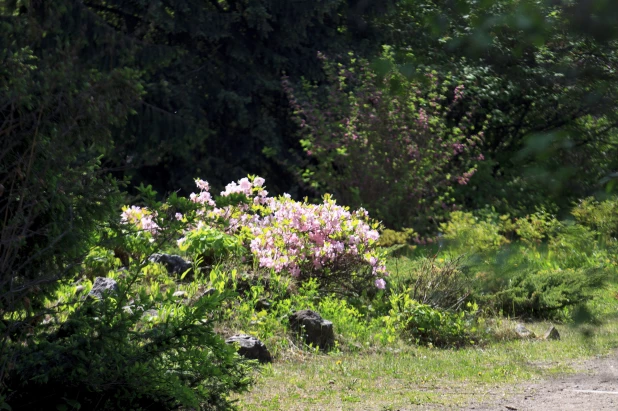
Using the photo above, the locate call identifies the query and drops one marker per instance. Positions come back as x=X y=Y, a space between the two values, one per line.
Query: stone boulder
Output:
x=179 y=294
x=174 y=264
x=198 y=296
x=263 y=305
x=101 y=286
x=523 y=332
x=313 y=329
x=251 y=348
x=208 y=292
x=552 y=334
x=148 y=314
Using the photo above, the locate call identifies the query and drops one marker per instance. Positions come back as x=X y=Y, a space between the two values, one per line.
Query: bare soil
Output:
x=593 y=387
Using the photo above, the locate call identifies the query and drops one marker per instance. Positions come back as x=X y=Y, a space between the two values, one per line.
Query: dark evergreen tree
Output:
x=213 y=105
x=57 y=109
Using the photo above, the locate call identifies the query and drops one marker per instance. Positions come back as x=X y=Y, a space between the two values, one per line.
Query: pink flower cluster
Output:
x=286 y=235
x=463 y=180
x=300 y=237
x=141 y=218
x=459 y=92
x=204 y=196
x=248 y=188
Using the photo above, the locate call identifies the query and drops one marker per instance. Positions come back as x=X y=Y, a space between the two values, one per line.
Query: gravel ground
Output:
x=594 y=387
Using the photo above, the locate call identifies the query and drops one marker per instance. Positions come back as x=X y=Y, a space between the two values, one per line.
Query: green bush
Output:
x=535 y=228
x=149 y=345
x=212 y=245
x=426 y=325
x=602 y=216
x=107 y=354
x=390 y=238
x=469 y=233
x=438 y=282
x=575 y=246
x=54 y=187
x=545 y=294
x=534 y=266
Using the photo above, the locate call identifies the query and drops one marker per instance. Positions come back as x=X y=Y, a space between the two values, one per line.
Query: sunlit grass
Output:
x=400 y=376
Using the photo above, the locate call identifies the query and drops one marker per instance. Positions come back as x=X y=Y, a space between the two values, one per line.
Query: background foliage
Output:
x=478 y=128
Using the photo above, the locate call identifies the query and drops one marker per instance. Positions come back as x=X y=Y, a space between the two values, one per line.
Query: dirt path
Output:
x=594 y=387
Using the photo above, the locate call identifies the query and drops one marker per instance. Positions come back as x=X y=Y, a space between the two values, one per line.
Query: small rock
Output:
x=209 y=291
x=198 y=296
x=251 y=348
x=523 y=332
x=552 y=334
x=313 y=328
x=150 y=314
x=179 y=293
x=262 y=304
x=79 y=289
x=101 y=286
x=174 y=264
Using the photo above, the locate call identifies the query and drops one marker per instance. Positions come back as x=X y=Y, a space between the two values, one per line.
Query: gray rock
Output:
x=251 y=348
x=174 y=264
x=262 y=304
x=150 y=314
x=198 y=296
x=523 y=332
x=101 y=286
x=207 y=292
x=313 y=328
x=552 y=334
x=179 y=293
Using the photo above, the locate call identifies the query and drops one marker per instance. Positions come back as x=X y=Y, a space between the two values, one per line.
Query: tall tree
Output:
x=57 y=109
x=213 y=104
x=545 y=75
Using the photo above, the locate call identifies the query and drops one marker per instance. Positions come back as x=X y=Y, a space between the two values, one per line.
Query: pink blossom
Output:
x=287 y=235
x=245 y=185
x=459 y=92
x=201 y=184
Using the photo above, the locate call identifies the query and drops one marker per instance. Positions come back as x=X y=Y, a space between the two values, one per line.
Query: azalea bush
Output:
x=325 y=241
x=393 y=145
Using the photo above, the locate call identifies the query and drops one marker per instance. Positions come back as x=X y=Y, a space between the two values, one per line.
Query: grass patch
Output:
x=399 y=376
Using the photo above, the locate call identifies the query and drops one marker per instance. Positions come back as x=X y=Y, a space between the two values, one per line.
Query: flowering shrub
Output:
x=397 y=151
x=141 y=218
x=324 y=241
x=316 y=240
